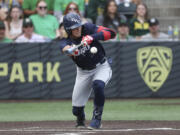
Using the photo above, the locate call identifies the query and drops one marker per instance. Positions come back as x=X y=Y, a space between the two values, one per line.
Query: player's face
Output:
x=76 y=33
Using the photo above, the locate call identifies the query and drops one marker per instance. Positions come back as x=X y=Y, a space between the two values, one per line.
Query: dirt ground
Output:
x=109 y=128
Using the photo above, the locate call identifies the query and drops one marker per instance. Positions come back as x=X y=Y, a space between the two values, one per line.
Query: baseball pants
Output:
x=83 y=83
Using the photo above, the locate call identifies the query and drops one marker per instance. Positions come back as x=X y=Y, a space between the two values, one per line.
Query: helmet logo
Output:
x=75 y=20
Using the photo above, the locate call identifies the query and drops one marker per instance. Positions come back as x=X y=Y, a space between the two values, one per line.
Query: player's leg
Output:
x=81 y=93
x=100 y=79
x=79 y=113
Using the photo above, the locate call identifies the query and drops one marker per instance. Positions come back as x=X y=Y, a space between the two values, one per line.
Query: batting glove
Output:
x=76 y=53
x=87 y=40
x=73 y=52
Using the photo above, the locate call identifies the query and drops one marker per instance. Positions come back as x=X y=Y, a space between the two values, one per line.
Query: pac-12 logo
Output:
x=154 y=64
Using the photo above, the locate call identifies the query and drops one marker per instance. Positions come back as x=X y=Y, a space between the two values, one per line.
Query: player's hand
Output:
x=70 y=50
x=87 y=40
x=76 y=53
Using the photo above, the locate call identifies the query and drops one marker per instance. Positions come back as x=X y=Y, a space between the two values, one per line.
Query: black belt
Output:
x=93 y=67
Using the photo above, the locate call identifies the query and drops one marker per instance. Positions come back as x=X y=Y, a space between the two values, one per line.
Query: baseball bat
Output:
x=72 y=49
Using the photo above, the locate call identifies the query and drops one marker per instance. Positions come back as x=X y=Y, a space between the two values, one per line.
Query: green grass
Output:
x=142 y=110
x=114 y=110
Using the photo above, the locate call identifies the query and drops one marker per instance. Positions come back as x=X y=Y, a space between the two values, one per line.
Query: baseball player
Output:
x=93 y=70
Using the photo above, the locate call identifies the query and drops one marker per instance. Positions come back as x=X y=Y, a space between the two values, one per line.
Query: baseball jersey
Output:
x=85 y=59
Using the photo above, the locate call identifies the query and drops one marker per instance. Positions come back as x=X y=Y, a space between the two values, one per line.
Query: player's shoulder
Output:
x=89 y=25
x=89 y=28
x=64 y=41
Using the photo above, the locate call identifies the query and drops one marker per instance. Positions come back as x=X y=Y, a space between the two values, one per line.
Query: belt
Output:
x=93 y=67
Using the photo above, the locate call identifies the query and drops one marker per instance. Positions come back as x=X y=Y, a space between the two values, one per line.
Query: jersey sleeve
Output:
x=101 y=33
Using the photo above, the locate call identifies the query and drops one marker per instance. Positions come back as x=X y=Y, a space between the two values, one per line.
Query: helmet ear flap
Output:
x=68 y=31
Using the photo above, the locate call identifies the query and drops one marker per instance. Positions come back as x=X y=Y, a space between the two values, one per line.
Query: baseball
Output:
x=93 y=50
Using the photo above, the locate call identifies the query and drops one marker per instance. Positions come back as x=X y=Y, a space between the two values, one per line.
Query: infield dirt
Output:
x=109 y=128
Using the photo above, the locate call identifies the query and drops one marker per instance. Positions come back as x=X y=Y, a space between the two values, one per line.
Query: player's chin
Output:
x=78 y=35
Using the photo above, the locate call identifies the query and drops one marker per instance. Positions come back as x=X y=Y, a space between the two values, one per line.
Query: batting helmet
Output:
x=71 y=21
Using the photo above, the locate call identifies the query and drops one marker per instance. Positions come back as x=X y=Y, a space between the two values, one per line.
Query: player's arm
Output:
x=103 y=33
x=70 y=50
x=98 y=33
x=66 y=48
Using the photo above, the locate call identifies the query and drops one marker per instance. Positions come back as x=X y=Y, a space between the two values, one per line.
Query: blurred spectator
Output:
x=110 y=17
x=119 y=1
x=62 y=32
x=73 y=7
x=5 y=5
x=20 y=2
x=127 y=8
x=8 y=3
x=3 y=14
x=45 y=24
x=60 y=6
x=86 y=3
x=155 y=34
x=123 y=32
x=136 y=1
x=95 y=8
x=28 y=33
x=14 y=22
x=139 y=24
x=3 y=38
x=29 y=6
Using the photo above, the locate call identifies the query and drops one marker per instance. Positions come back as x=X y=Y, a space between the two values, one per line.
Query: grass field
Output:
x=122 y=109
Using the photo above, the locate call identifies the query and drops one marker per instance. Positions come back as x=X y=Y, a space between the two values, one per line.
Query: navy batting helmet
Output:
x=71 y=21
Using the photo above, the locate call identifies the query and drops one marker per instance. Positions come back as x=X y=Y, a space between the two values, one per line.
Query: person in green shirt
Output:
x=29 y=6
x=3 y=39
x=45 y=24
x=60 y=6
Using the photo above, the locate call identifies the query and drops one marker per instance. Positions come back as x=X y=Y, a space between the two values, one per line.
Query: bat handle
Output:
x=72 y=49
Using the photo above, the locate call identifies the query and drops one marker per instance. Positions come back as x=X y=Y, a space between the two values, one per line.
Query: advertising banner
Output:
x=41 y=71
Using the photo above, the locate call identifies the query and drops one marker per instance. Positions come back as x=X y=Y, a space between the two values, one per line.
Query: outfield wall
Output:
x=41 y=71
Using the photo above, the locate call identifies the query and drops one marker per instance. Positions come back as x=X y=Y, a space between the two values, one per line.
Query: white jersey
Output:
x=35 y=38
